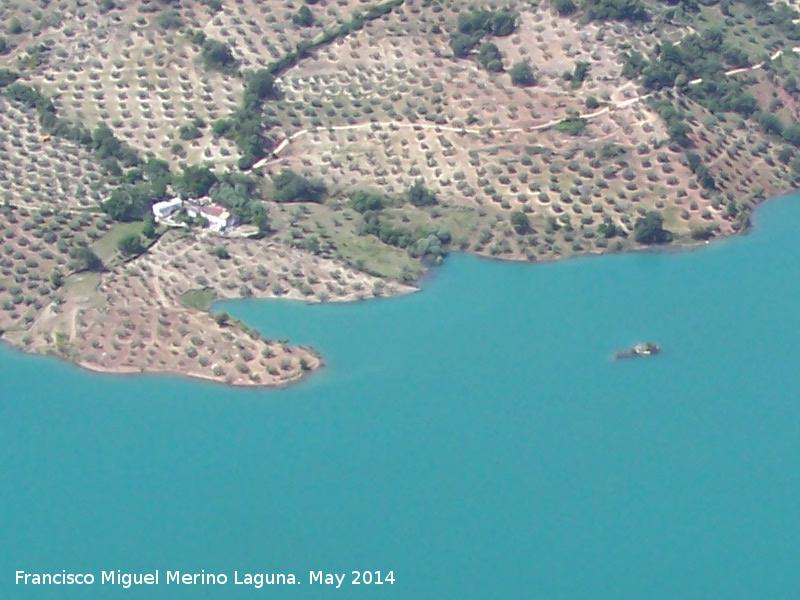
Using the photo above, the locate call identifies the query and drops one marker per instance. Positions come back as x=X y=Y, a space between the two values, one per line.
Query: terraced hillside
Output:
x=357 y=143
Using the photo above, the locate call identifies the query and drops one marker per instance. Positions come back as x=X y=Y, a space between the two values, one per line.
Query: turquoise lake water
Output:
x=476 y=439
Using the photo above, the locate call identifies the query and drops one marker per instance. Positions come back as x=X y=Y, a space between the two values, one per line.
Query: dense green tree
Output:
x=490 y=58
x=462 y=44
x=649 y=229
x=220 y=252
x=149 y=229
x=14 y=26
x=260 y=218
x=170 y=19
x=195 y=181
x=260 y=85
x=363 y=201
x=608 y=229
x=791 y=134
x=572 y=125
x=579 y=73
x=564 y=7
x=56 y=279
x=7 y=77
x=303 y=17
x=616 y=10
x=217 y=56
x=129 y=202
x=289 y=186
x=522 y=73
x=475 y=25
x=85 y=259
x=419 y=195
x=520 y=222
x=189 y=131
x=770 y=123
x=130 y=245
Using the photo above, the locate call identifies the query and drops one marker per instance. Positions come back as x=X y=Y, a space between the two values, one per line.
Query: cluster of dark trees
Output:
x=245 y=126
x=239 y=193
x=705 y=56
x=605 y=10
x=114 y=154
x=363 y=201
x=572 y=125
x=419 y=195
x=84 y=259
x=609 y=230
x=649 y=229
x=616 y=10
x=578 y=74
x=704 y=176
x=7 y=77
x=288 y=186
x=357 y=22
x=489 y=57
x=130 y=245
x=520 y=222
x=697 y=56
x=418 y=242
x=303 y=17
x=216 y=55
x=474 y=26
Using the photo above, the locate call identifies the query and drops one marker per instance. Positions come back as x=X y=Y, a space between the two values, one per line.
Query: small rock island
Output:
x=646 y=349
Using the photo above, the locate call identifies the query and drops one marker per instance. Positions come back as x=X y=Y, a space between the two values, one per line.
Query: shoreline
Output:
x=318 y=362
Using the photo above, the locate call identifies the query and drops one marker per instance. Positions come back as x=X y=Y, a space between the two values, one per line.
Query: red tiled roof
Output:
x=215 y=210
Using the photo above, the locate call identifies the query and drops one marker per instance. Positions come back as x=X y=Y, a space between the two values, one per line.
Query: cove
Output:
x=476 y=439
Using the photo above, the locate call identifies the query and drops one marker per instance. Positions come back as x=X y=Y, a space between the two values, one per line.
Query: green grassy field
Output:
x=106 y=246
x=199 y=299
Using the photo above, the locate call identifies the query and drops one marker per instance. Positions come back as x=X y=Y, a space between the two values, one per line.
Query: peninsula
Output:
x=160 y=155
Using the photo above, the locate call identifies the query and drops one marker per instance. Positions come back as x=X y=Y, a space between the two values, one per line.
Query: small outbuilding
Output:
x=161 y=210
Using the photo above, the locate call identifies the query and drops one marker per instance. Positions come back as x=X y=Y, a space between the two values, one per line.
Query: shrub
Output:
x=649 y=229
x=170 y=19
x=14 y=26
x=130 y=245
x=220 y=252
x=490 y=58
x=419 y=195
x=303 y=17
x=289 y=186
x=217 y=56
x=195 y=181
x=564 y=7
x=572 y=126
x=520 y=222
x=704 y=233
x=616 y=10
x=522 y=74
x=190 y=132
x=85 y=259
x=362 y=201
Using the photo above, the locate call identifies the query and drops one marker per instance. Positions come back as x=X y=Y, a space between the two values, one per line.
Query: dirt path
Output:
x=73 y=324
x=615 y=105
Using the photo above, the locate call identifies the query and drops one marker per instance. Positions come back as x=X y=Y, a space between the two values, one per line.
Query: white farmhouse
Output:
x=161 y=210
x=219 y=217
